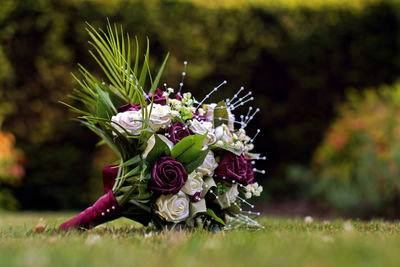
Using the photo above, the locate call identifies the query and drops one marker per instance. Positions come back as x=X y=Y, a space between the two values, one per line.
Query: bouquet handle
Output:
x=105 y=209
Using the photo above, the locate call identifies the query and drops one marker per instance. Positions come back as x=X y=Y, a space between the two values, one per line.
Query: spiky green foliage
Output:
x=124 y=83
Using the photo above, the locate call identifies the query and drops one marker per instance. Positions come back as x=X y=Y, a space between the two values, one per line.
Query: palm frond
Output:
x=124 y=83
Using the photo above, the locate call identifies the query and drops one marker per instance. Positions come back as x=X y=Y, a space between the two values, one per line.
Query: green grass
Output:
x=284 y=242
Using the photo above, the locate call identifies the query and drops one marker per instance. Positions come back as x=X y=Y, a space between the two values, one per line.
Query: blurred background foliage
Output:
x=298 y=57
x=356 y=168
x=11 y=163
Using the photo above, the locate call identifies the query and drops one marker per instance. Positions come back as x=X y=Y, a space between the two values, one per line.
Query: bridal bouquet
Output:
x=181 y=161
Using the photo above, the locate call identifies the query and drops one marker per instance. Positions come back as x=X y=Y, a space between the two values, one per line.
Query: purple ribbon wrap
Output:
x=105 y=209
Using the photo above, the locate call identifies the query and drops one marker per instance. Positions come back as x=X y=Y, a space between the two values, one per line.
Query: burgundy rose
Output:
x=177 y=131
x=168 y=176
x=158 y=97
x=233 y=168
x=178 y=96
x=128 y=107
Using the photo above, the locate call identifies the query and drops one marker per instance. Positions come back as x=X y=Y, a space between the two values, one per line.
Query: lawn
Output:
x=284 y=242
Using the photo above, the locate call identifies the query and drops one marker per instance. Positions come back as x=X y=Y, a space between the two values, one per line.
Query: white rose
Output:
x=152 y=140
x=231 y=119
x=193 y=184
x=223 y=133
x=173 y=208
x=209 y=165
x=128 y=120
x=160 y=116
x=228 y=198
x=202 y=127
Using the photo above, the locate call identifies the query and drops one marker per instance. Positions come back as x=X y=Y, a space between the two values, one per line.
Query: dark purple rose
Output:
x=168 y=176
x=128 y=107
x=178 y=97
x=177 y=131
x=158 y=97
x=233 y=168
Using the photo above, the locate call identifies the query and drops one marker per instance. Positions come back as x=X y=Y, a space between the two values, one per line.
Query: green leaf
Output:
x=144 y=71
x=188 y=148
x=144 y=193
x=134 y=171
x=104 y=107
x=160 y=148
x=233 y=150
x=132 y=161
x=136 y=66
x=145 y=174
x=191 y=166
x=214 y=216
x=125 y=189
x=221 y=115
x=158 y=77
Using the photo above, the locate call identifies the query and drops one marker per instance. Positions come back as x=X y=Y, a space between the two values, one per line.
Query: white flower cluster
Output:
x=253 y=190
x=237 y=140
x=184 y=108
